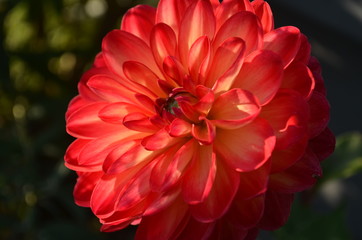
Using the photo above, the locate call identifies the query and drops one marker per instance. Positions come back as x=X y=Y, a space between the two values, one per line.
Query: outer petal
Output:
x=255 y=182
x=225 y=186
x=264 y=13
x=298 y=77
x=277 y=210
x=199 y=20
x=230 y=7
x=319 y=114
x=323 y=145
x=85 y=123
x=298 y=177
x=234 y=109
x=288 y=115
x=199 y=178
x=169 y=223
x=233 y=146
x=163 y=43
x=72 y=153
x=195 y=230
x=250 y=31
x=84 y=187
x=171 y=12
x=261 y=74
x=120 y=46
x=139 y=21
x=284 y=41
x=246 y=213
x=115 y=112
x=228 y=59
x=304 y=51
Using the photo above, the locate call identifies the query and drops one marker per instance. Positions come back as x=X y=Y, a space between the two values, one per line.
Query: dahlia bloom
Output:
x=198 y=120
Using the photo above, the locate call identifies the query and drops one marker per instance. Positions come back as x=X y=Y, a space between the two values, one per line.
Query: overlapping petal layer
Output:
x=198 y=120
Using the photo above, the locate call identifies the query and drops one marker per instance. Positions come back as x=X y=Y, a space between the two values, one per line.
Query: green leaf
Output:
x=346 y=161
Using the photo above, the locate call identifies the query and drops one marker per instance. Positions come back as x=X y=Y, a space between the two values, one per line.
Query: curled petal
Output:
x=277 y=210
x=180 y=128
x=159 y=140
x=120 y=46
x=199 y=12
x=299 y=177
x=319 y=114
x=230 y=7
x=85 y=123
x=228 y=59
x=233 y=146
x=204 y=131
x=288 y=115
x=261 y=75
x=200 y=177
x=222 y=193
x=115 y=112
x=284 y=41
x=298 y=77
x=163 y=43
x=169 y=221
x=264 y=13
x=170 y=12
x=323 y=145
x=199 y=56
x=303 y=54
x=139 y=122
x=234 y=109
x=250 y=31
x=84 y=187
x=139 y=21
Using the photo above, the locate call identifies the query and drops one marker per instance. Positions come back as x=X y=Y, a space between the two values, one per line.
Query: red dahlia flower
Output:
x=198 y=120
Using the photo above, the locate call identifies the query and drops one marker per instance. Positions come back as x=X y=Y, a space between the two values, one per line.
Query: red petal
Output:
x=230 y=7
x=179 y=163
x=199 y=179
x=196 y=230
x=163 y=202
x=159 y=140
x=84 y=187
x=298 y=177
x=71 y=157
x=250 y=31
x=126 y=156
x=319 y=114
x=222 y=193
x=109 y=89
x=85 y=123
x=179 y=128
x=261 y=74
x=76 y=103
x=169 y=223
x=174 y=69
x=288 y=115
x=170 y=12
x=115 y=112
x=227 y=62
x=96 y=151
x=246 y=213
x=255 y=182
x=199 y=12
x=323 y=145
x=139 y=21
x=277 y=210
x=139 y=122
x=246 y=148
x=120 y=46
x=140 y=74
x=199 y=55
x=206 y=99
x=304 y=51
x=264 y=13
x=282 y=159
x=298 y=77
x=234 y=109
x=204 y=132
x=284 y=41
x=163 y=43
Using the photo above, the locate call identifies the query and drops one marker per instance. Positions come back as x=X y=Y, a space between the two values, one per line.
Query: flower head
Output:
x=198 y=120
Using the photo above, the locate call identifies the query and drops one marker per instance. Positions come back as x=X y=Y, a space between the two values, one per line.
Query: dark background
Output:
x=45 y=47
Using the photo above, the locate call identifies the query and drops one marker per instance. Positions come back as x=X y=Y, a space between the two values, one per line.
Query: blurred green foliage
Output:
x=45 y=47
